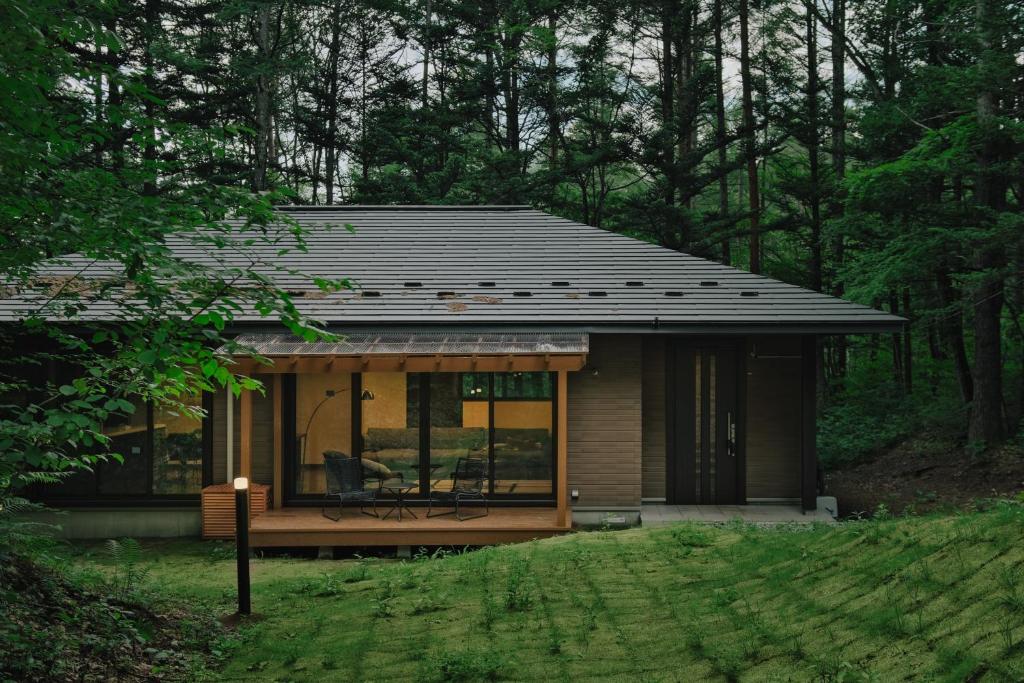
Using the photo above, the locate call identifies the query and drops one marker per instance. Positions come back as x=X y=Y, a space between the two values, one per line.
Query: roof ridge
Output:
x=403 y=207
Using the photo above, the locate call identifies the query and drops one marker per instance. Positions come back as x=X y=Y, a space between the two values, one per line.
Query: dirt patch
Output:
x=57 y=629
x=923 y=476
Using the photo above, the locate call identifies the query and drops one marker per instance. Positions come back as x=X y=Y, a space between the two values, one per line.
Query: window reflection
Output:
x=128 y=435
x=523 y=419
x=459 y=426
x=177 y=450
x=323 y=422
x=390 y=426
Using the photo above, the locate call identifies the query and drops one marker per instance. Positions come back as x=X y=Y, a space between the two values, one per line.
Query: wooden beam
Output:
x=562 y=453
x=277 y=486
x=245 y=433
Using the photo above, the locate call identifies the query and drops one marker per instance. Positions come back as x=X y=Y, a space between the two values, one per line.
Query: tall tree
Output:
x=750 y=138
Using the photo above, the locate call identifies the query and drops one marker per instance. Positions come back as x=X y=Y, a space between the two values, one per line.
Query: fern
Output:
x=18 y=535
x=126 y=555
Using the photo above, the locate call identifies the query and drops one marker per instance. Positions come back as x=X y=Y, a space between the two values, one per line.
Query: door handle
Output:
x=731 y=435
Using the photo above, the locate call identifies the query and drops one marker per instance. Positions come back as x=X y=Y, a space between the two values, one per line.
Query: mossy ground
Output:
x=930 y=598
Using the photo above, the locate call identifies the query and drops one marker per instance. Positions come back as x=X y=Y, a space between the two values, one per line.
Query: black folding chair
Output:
x=346 y=482
x=467 y=486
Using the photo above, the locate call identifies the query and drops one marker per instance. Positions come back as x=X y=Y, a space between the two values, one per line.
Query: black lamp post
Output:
x=242 y=543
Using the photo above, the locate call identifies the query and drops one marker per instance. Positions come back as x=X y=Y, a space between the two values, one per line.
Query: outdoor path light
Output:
x=242 y=543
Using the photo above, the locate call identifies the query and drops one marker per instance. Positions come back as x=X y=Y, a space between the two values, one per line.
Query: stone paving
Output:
x=767 y=513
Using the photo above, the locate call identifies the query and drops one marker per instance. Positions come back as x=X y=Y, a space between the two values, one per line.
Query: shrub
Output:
x=467 y=665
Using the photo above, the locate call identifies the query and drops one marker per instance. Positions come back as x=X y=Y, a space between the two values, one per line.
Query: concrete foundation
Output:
x=605 y=518
x=94 y=523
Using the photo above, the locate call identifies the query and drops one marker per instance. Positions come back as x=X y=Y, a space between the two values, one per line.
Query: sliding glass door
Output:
x=420 y=425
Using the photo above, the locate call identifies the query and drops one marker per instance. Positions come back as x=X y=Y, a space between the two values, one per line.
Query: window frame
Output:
x=288 y=405
x=50 y=494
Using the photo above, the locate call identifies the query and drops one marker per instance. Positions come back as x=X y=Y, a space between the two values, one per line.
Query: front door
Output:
x=704 y=459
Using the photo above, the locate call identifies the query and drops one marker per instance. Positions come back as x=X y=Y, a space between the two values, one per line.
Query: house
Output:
x=594 y=374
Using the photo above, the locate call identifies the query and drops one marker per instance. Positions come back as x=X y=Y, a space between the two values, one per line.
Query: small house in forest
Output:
x=557 y=372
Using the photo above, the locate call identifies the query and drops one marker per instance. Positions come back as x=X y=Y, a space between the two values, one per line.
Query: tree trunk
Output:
x=951 y=329
x=908 y=356
x=750 y=139
x=838 y=158
x=720 y=132
x=427 y=21
x=812 y=151
x=897 y=342
x=986 y=423
x=264 y=129
x=333 y=51
x=152 y=28
x=553 y=128
x=667 y=96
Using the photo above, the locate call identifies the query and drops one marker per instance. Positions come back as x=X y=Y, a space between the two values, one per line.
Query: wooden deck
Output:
x=297 y=527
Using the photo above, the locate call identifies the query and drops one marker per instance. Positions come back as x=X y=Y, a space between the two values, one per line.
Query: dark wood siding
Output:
x=653 y=409
x=605 y=423
x=773 y=417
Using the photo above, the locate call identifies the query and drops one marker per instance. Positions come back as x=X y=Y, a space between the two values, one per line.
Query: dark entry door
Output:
x=704 y=459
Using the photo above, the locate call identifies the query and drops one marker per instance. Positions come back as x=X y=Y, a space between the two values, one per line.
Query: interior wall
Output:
x=509 y=414
x=388 y=407
x=773 y=417
x=331 y=428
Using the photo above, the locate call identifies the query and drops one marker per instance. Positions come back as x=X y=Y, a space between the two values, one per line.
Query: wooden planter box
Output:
x=218 y=504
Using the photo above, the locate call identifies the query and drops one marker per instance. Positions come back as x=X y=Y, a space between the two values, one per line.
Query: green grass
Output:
x=937 y=598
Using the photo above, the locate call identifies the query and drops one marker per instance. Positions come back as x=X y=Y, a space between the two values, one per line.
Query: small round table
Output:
x=399 y=488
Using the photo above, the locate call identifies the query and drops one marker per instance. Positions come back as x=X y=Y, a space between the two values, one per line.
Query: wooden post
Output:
x=562 y=452
x=277 y=486
x=808 y=424
x=245 y=434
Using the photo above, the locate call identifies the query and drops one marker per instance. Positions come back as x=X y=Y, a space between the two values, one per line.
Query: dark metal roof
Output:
x=397 y=342
x=508 y=266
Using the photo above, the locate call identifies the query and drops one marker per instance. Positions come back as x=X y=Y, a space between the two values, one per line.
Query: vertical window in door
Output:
x=712 y=428
x=698 y=416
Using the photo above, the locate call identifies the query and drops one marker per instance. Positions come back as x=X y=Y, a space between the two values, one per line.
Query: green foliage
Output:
x=128 y=573
x=467 y=665
x=880 y=599
x=100 y=176
x=517 y=590
x=58 y=626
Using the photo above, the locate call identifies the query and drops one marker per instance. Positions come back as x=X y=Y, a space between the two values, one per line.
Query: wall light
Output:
x=574 y=495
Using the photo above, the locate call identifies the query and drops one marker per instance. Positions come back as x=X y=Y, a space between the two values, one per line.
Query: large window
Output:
x=389 y=427
x=323 y=421
x=459 y=426
x=523 y=434
x=177 y=451
x=162 y=457
x=460 y=407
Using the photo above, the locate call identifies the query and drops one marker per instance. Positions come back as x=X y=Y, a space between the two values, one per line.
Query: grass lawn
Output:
x=936 y=598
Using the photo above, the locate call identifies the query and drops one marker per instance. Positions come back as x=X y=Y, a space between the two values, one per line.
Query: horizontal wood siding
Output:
x=605 y=423
x=262 y=437
x=653 y=409
x=773 y=417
